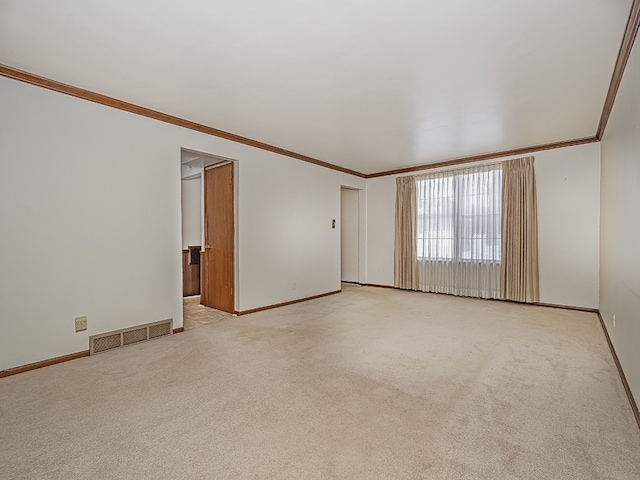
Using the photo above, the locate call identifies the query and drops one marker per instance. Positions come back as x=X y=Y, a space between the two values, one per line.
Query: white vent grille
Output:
x=127 y=336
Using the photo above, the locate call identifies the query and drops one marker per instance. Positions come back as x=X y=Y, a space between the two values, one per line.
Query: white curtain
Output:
x=458 y=220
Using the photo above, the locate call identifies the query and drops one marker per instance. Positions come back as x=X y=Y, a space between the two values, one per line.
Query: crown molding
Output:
x=486 y=156
x=26 y=77
x=628 y=39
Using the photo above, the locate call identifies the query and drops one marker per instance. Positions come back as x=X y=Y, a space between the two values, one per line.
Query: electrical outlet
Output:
x=81 y=324
x=614 y=320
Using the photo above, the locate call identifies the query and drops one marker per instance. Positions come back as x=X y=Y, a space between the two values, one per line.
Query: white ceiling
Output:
x=368 y=85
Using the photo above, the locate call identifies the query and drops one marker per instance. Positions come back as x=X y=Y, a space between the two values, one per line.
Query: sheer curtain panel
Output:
x=458 y=223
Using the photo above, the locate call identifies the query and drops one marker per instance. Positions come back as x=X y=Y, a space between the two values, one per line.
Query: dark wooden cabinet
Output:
x=191 y=271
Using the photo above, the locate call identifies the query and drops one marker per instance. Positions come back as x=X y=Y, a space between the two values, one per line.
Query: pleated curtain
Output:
x=520 y=276
x=405 y=268
x=459 y=231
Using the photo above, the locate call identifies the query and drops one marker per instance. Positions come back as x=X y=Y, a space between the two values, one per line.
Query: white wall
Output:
x=568 y=188
x=191 y=212
x=381 y=198
x=567 y=182
x=349 y=235
x=288 y=248
x=620 y=232
x=90 y=216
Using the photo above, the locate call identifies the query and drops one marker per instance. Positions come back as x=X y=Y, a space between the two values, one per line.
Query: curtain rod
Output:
x=489 y=163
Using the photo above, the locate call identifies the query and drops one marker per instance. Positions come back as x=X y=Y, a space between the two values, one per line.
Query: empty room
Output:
x=319 y=240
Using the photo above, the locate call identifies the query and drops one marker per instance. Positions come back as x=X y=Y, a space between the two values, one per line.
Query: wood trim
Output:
x=380 y=286
x=283 y=304
x=178 y=330
x=32 y=79
x=538 y=304
x=564 y=307
x=625 y=384
x=550 y=305
x=628 y=39
x=60 y=87
x=487 y=156
x=43 y=363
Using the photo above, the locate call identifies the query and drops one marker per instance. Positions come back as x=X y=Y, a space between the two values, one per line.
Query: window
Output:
x=459 y=215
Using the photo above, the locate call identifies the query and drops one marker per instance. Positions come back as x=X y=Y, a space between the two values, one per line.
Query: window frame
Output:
x=456 y=218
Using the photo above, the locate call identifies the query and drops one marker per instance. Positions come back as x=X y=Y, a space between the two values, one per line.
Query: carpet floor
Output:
x=366 y=384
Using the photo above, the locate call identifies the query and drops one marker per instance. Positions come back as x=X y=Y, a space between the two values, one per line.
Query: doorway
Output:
x=350 y=235
x=209 y=241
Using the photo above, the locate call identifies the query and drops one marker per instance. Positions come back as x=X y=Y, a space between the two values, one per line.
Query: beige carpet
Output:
x=366 y=384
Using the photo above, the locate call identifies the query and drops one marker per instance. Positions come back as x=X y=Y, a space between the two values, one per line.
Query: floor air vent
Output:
x=127 y=336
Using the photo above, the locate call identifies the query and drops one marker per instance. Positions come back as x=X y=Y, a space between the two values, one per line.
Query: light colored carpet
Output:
x=366 y=384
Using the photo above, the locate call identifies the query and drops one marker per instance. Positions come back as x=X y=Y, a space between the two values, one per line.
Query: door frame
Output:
x=362 y=229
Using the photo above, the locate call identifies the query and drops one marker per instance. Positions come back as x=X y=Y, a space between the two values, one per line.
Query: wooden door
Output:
x=218 y=266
